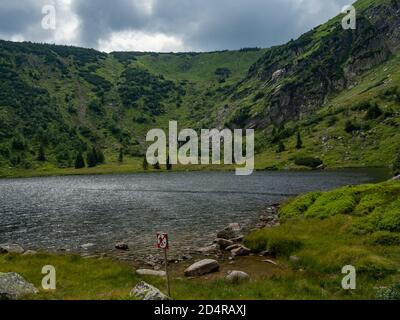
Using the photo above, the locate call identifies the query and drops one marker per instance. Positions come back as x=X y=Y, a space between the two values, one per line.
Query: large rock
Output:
x=241 y=251
x=146 y=291
x=230 y=232
x=223 y=243
x=397 y=178
x=202 y=267
x=11 y=248
x=148 y=272
x=237 y=277
x=14 y=287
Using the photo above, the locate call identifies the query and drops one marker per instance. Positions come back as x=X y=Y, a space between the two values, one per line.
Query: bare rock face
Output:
x=202 y=267
x=11 y=248
x=237 y=277
x=14 y=287
x=241 y=252
x=148 y=272
x=146 y=291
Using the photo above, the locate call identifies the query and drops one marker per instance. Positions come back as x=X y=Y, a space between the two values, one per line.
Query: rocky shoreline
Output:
x=225 y=248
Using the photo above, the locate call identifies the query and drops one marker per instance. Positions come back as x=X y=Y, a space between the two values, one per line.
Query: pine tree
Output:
x=121 y=156
x=92 y=159
x=79 y=162
x=145 y=164
x=100 y=157
x=41 y=156
x=299 y=143
x=281 y=147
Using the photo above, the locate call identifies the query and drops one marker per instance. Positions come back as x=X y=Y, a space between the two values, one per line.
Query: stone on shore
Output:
x=230 y=232
x=148 y=272
x=209 y=250
x=29 y=253
x=11 y=248
x=237 y=277
x=223 y=243
x=202 y=267
x=396 y=178
x=241 y=252
x=122 y=246
x=146 y=291
x=234 y=246
x=14 y=287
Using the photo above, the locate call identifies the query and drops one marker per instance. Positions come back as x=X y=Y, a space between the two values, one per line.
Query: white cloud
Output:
x=141 y=41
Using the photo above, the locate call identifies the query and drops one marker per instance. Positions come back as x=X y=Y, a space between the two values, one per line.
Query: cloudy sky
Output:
x=165 y=25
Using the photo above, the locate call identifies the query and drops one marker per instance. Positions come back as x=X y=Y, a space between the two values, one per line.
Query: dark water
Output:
x=66 y=212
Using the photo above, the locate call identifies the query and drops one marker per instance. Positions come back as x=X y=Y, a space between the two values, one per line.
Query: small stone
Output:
x=14 y=287
x=270 y=262
x=29 y=253
x=294 y=259
x=148 y=272
x=208 y=250
x=11 y=248
x=202 y=267
x=232 y=247
x=87 y=246
x=147 y=292
x=237 y=277
x=241 y=251
x=121 y=246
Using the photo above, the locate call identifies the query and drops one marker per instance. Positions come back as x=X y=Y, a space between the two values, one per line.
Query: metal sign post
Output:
x=162 y=243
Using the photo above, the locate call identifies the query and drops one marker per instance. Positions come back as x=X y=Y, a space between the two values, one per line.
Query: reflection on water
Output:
x=66 y=212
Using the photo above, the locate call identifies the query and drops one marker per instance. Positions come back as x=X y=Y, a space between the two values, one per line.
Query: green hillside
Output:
x=330 y=97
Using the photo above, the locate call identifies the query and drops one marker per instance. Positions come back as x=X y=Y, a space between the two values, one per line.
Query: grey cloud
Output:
x=201 y=24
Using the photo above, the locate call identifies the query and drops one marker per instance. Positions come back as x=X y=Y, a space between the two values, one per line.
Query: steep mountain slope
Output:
x=332 y=94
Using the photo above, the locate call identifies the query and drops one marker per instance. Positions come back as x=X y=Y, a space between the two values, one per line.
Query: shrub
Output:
x=391 y=293
x=384 y=238
x=373 y=112
x=280 y=245
x=341 y=201
x=308 y=162
x=299 y=205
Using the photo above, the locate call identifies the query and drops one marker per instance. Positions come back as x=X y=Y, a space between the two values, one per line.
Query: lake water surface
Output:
x=66 y=212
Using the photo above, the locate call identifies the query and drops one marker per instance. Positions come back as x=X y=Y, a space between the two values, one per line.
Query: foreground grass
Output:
x=342 y=233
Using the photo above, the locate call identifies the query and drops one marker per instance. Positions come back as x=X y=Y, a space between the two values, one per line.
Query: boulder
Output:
x=241 y=251
x=230 y=232
x=397 y=178
x=237 y=277
x=146 y=291
x=148 y=272
x=11 y=248
x=202 y=267
x=121 y=246
x=278 y=74
x=14 y=287
x=223 y=243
